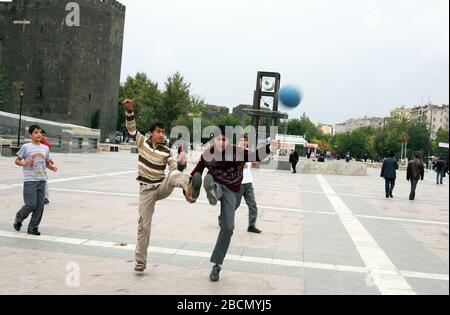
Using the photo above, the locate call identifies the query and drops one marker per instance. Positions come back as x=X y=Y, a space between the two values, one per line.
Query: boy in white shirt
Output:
x=247 y=191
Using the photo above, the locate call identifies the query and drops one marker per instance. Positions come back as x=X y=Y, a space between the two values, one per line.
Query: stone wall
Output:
x=70 y=74
x=64 y=138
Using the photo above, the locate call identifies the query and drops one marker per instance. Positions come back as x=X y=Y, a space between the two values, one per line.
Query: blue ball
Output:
x=290 y=96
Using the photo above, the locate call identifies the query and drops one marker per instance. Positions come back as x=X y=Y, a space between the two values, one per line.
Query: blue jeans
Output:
x=414 y=183
x=440 y=177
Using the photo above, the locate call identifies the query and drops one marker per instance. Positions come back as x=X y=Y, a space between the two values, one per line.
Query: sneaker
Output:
x=17 y=226
x=255 y=230
x=391 y=195
x=139 y=268
x=194 y=188
x=34 y=232
x=215 y=273
x=210 y=188
x=196 y=184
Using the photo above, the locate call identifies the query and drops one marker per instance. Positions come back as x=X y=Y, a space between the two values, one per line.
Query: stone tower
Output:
x=68 y=63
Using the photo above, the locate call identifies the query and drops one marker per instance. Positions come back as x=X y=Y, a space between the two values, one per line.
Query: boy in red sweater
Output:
x=225 y=163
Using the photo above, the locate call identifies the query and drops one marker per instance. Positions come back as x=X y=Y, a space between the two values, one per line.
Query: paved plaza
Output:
x=321 y=235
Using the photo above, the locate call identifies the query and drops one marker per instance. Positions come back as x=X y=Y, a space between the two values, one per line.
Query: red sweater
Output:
x=46 y=143
x=227 y=167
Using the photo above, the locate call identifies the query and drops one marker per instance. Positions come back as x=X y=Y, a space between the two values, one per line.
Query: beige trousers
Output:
x=147 y=199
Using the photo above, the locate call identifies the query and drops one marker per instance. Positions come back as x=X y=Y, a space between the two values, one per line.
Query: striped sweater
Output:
x=152 y=160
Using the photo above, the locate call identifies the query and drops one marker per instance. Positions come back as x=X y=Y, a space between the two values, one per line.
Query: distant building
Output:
x=353 y=124
x=237 y=111
x=401 y=112
x=214 y=111
x=436 y=116
x=326 y=129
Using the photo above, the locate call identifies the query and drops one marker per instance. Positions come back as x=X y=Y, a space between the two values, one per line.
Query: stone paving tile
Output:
x=104 y=208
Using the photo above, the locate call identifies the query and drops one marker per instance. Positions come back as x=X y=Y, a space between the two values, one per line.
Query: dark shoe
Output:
x=215 y=273
x=34 y=232
x=391 y=195
x=210 y=188
x=17 y=226
x=195 y=185
x=139 y=268
x=46 y=202
x=387 y=196
x=253 y=229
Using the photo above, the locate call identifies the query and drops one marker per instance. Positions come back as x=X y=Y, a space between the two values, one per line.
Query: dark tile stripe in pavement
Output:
x=361 y=206
x=405 y=251
x=324 y=282
x=327 y=241
x=429 y=287
x=316 y=202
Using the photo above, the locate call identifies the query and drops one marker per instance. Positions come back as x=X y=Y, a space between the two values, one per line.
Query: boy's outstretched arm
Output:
x=249 y=156
x=130 y=122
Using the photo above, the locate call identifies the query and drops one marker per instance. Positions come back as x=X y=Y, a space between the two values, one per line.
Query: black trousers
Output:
x=390 y=184
x=294 y=166
x=414 y=183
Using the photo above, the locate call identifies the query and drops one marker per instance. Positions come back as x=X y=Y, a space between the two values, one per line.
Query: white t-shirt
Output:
x=40 y=155
x=248 y=179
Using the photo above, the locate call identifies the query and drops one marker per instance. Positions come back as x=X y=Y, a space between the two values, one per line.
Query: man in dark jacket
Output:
x=389 y=173
x=439 y=167
x=416 y=172
x=293 y=159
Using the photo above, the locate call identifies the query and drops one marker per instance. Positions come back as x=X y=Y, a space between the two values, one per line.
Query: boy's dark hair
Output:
x=44 y=132
x=33 y=128
x=391 y=154
x=222 y=129
x=157 y=125
x=417 y=156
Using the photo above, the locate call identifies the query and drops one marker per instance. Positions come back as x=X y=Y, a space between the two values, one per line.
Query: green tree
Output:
x=302 y=127
x=441 y=136
x=146 y=98
x=388 y=139
x=419 y=138
x=358 y=142
x=176 y=101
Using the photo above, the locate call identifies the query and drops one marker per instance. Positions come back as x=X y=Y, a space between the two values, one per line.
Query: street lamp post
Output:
x=22 y=94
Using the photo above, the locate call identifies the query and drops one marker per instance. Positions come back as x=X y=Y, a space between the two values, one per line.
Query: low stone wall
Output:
x=327 y=168
x=110 y=147
x=333 y=168
x=64 y=138
x=5 y=142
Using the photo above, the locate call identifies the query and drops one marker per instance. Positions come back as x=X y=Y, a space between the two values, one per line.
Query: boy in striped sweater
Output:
x=154 y=157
